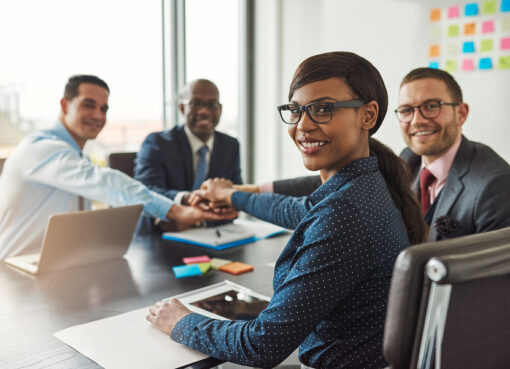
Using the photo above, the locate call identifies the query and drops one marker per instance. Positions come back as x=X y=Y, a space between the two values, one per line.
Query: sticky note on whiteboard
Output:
x=505 y=24
x=451 y=65
x=468 y=47
x=489 y=7
x=505 y=43
x=434 y=50
x=471 y=9
x=485 y=63
x=505 y=5
x=486 y=45
x=434 y=65
x=470 y=28
x=435 y=15
x=453 y=30
x=488 y=26
x=468 y=64
x=504 y=62
x=453 y=12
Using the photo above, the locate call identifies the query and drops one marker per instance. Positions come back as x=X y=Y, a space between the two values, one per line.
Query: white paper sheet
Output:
x=128 y=341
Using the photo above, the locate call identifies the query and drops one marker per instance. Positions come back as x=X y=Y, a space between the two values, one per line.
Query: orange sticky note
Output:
x=434 y=51
x=469 y=28
x=236 y=268
x=435 y=15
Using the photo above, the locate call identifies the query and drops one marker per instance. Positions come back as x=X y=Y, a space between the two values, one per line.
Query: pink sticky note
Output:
x=468 y=64
x=488 y=27
x=505 y=43
x=453 y=12
x=196 y=259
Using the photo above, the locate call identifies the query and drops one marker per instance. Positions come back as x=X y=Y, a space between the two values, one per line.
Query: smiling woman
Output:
x=332 y=278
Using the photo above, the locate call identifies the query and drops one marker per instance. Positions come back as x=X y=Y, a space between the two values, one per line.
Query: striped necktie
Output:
x=201 y=172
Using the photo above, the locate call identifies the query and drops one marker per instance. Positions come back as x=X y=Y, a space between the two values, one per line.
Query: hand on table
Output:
x=165 y=315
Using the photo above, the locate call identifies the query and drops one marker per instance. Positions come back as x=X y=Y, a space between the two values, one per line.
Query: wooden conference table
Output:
x=32 y=308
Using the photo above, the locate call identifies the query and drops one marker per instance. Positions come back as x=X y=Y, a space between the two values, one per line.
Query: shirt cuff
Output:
x=159 y=206
x=266 y=187
x=179 y=196
x=184 y=328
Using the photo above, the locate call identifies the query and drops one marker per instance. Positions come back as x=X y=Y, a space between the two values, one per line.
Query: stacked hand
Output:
x=214 y=195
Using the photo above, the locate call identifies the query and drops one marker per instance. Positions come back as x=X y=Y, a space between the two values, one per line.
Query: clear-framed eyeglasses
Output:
x=430 y=109
x=319 y=112
x=196 y=104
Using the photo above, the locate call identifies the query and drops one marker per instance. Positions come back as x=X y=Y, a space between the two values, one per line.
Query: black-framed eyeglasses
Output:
x=196 y=104
x=319 y=112
x=430 y=109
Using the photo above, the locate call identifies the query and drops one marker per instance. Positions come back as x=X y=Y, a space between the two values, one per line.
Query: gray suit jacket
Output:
x=476 y=195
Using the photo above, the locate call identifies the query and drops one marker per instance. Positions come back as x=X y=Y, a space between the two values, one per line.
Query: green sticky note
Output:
x=505 y=24
x=453 y=30
x=451 y=65
x=504 y=62
x=486 y=45
x=204 y=267
x=489 y=7
x=217 y=263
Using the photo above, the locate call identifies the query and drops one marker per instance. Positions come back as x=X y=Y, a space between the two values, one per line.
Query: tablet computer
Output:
x=225 y=300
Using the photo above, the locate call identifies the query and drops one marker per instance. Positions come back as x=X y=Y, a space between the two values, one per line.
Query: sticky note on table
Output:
x=196 y=259
x=182 y=271
x=504 y=62
x=453 y=30
x=470 y=28
x=217 y=263
x=485 y=63
x=471 y=9
x=505 y=43
x=435 y=15
x=434 y=65
x=486 y=45
x=488 y=26
x=451 y=65
x=453 y=12
x=489 y=7
x=468 y=47
x=505 y=5
x=434 y=50
x=505 y=24
x=236 y=268
x=204 y=267
x=468 y=64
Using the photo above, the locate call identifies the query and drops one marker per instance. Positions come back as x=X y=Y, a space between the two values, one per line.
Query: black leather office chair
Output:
x=2 y=161
x=449 y=304
x=123 y=161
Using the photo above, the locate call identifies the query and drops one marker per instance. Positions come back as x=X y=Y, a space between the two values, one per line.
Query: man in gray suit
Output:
x=467 y=189
x=463 y=186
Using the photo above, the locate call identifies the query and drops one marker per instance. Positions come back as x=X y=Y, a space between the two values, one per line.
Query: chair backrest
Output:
x=449 y=303
x=123 y=161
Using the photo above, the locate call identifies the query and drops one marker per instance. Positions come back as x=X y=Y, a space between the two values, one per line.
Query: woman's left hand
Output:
x=165 y=315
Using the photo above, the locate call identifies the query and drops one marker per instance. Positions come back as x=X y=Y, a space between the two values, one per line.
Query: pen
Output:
x=218 y=233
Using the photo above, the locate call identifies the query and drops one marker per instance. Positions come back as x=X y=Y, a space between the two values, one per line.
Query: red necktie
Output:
x=426 y=179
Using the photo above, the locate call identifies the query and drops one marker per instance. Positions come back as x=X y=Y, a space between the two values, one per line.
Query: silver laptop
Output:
x=82 y=237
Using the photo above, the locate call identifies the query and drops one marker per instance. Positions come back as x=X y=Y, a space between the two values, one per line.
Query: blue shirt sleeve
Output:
x=285 y=211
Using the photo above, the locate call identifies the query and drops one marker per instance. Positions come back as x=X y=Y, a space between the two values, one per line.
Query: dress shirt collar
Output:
x=61 y=131
x=351 y=170
x=441 y=166
x=197 y=143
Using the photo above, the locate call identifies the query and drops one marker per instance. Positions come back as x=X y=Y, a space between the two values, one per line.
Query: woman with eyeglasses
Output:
x=332 y=278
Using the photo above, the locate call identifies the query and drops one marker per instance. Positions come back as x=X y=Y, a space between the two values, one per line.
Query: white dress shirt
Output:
x=46 y=174
x=195 y=144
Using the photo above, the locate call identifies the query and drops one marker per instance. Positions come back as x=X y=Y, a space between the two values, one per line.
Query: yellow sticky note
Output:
x=505 y=24
x=436 y=32
x=451 y=65
x=452 y=49
x=434 y=51
x=504 y=62
x=489 y=7
x=453 y=30
x=486 y=45
x=469 y=28
x=435 y=15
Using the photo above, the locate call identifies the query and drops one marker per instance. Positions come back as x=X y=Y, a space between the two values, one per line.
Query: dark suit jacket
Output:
x=165 y=162
x=475 y=197
x=300 y=186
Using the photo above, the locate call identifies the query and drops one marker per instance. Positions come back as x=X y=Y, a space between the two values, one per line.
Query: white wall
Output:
x=392 y=34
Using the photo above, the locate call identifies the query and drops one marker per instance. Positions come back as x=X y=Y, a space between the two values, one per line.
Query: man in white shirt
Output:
x=47 y=174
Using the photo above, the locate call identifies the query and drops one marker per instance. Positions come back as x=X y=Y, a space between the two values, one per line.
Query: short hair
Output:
x=451 y=84
x=74 y=82
x=186 y=89
x=358 y=73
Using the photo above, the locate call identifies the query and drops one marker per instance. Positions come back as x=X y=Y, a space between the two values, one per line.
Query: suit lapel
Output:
x=454 y=185
x=185 y=148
